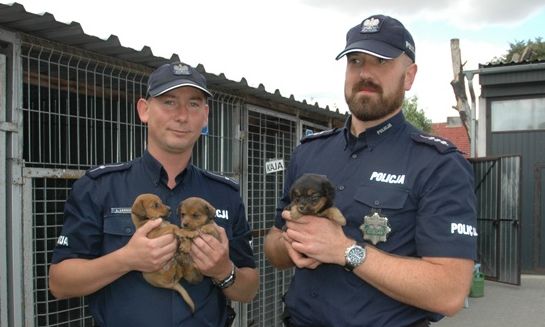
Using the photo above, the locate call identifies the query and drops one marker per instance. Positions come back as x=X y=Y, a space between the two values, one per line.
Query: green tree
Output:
x=535 y=51
x=415 y=115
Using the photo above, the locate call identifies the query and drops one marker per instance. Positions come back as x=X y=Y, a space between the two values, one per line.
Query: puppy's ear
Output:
x=292 y=191
x=139 y=209
x=179 y=209
x=329 y=191
x=211 y=211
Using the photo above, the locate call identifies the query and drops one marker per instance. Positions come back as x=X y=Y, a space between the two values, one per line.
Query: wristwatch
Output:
x=354 y=256
x=228 y=281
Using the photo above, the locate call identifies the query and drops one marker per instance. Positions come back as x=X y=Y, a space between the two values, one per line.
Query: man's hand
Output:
x=314 y=240
x=145 y=254
x=211 y=255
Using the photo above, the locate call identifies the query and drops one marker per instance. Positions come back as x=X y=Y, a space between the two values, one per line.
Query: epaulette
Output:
x=223 y=179
x=321 y=134
x=440 y=144
x=98 y=171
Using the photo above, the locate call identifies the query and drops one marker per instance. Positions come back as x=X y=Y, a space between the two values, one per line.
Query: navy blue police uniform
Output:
x=98 y=221
x=421 y=183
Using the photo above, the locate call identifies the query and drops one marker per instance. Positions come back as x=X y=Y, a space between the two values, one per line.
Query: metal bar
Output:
x=15 y=192
x=50 y=147
x=39 y=109
x=3 y=199
x=52 y=173
x=28 y=262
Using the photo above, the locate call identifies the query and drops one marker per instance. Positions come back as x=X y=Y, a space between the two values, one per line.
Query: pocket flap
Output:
x=382 y=197
x=119 y=225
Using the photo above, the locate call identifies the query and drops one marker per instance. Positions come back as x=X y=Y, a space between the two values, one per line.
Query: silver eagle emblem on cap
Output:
x=370 y=25
x=180 y=69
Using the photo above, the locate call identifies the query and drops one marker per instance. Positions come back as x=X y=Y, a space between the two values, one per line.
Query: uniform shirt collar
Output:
x=372 y=135
x=156 y=172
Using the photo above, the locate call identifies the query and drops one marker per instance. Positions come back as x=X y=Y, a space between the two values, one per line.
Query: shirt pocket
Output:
x=117 y=229
x=386 y=199
x=390 y=202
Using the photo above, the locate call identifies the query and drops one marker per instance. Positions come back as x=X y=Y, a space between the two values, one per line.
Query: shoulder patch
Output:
x=321 y=134
x=440 y=144
x=98 y=171
x=222 y=179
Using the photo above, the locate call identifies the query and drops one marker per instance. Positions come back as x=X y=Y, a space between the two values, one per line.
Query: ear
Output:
x=139 y=209
x=211 y=212
x=292 y=191
x=329 y=190
x=206 y=112
x=410 y=74
x=143 y=110
x=179 y=209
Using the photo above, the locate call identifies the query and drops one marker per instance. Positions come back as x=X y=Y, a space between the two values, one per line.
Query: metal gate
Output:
x=271 y=138
x=497 y=187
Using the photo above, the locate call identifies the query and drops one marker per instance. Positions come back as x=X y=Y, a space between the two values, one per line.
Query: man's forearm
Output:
x=80 y=277
x=245 y=287
x=434 y=284
x=276 y=251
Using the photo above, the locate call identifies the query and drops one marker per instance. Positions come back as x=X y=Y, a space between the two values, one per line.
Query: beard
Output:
x=370 y=108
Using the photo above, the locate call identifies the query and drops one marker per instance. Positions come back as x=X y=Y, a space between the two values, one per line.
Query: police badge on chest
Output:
x=375 y=227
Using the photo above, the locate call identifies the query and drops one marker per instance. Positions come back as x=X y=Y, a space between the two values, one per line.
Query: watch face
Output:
x=356 y=255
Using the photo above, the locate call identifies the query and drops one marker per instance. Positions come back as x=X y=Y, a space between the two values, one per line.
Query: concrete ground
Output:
x=504 y=305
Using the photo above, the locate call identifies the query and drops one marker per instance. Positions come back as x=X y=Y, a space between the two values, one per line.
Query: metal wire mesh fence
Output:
x=78 y=111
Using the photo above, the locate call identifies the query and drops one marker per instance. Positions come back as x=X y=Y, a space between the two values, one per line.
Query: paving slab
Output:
x=504 y=305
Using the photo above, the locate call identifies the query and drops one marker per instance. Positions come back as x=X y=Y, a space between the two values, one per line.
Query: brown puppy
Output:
x=196 y=217
x=147 y=207
x=313 y=195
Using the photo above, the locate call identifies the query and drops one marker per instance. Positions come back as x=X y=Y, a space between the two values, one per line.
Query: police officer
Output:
x=100 y=254
x=405 y=256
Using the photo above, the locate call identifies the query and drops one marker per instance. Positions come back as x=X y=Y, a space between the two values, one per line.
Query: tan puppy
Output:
x=313 y=195
x=196 y=217
x=147 y=207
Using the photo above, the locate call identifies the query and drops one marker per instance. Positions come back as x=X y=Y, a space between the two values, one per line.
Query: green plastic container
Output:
x=477 y=285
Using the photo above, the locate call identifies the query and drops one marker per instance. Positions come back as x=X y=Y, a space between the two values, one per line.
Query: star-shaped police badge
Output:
x=375 y=228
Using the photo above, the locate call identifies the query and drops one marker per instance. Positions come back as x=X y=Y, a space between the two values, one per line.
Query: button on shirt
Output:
x=98 y=222
x=419 y=182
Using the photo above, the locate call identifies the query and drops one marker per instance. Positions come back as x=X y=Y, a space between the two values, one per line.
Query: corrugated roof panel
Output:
x=45 y=26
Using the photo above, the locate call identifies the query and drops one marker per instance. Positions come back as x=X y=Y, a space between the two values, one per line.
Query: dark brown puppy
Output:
x=148 y=207
x=313 y=195
x=196 y=217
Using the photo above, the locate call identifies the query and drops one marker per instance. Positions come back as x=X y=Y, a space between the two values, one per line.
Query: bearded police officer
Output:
x=406 y=254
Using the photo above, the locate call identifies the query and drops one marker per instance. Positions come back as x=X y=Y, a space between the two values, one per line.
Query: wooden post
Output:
x=458 y=85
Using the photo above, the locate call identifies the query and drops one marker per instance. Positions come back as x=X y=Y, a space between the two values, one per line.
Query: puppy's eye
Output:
x=315 y=197
x=195 y=216
x=156 y=205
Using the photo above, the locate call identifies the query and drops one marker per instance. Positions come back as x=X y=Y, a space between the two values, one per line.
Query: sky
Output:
x=291 y=45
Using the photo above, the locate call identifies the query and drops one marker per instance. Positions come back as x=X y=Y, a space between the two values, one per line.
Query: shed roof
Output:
x=15 y=17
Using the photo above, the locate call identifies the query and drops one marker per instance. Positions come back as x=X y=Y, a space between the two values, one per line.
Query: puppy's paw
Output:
x=185 y=245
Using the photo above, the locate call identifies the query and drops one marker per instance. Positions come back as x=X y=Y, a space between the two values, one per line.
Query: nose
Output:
x=181 y=113
x=363 y=72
